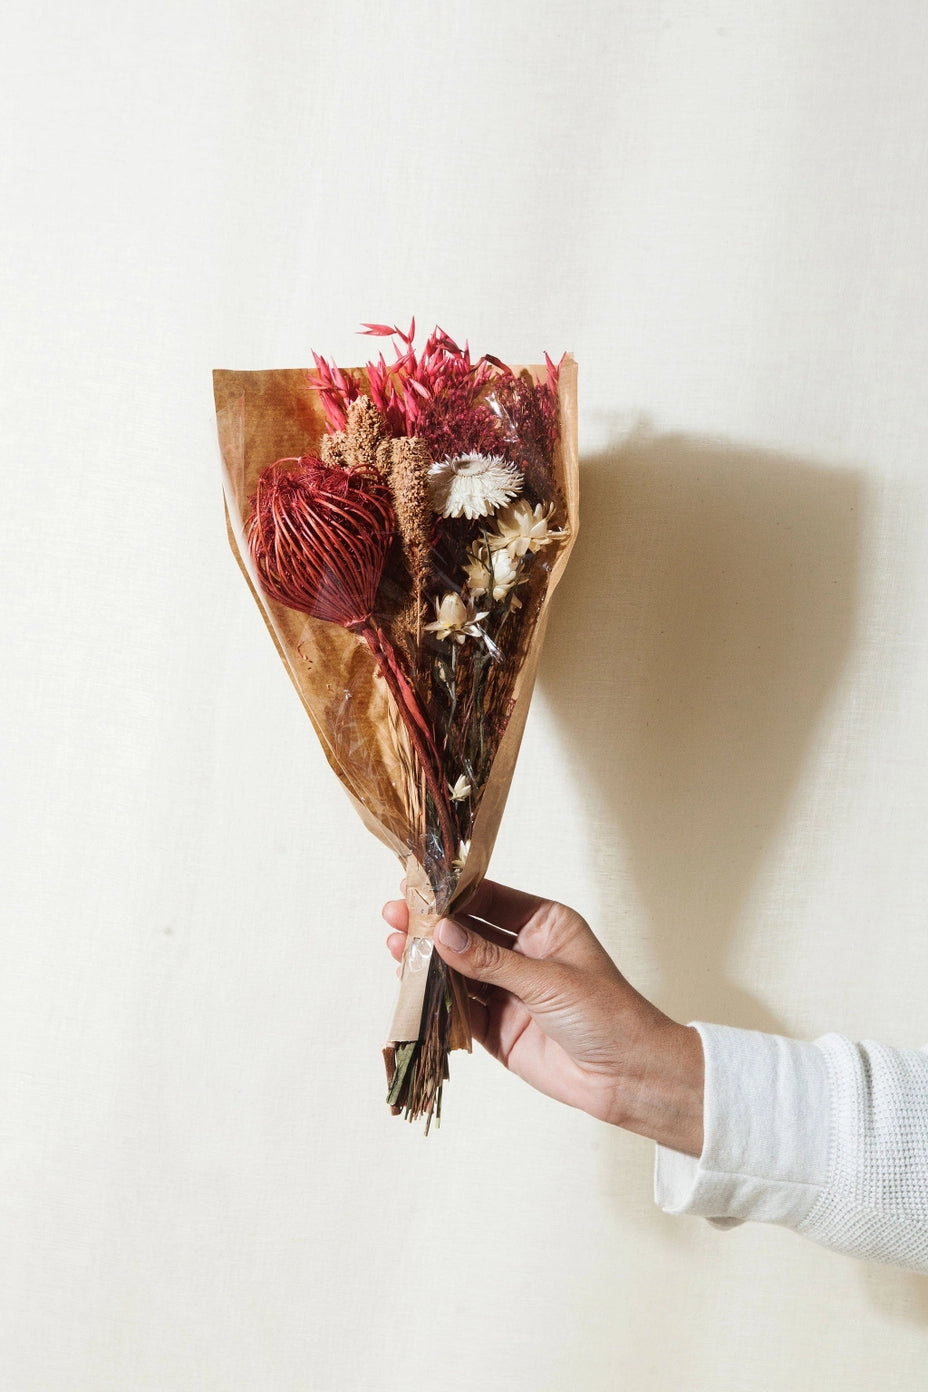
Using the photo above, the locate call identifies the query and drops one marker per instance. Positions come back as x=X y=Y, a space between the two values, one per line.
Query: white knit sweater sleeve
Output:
x=829 y=1138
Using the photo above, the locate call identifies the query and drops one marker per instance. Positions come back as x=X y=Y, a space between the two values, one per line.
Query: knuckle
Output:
x=486 y=957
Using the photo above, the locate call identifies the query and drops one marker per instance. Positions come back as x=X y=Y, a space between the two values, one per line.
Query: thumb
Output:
x=475 y=957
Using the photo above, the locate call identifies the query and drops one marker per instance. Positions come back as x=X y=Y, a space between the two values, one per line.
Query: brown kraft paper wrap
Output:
x=265 y=416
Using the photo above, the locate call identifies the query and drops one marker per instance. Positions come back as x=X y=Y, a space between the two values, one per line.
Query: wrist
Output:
x=660 y=1092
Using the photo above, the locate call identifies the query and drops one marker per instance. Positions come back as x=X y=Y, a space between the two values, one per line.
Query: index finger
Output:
x=502 y=906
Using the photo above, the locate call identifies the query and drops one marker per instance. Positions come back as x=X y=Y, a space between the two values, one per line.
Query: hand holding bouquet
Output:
x=403 y=527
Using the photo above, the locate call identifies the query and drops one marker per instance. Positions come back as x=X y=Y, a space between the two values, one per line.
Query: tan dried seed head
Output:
x=364 y=431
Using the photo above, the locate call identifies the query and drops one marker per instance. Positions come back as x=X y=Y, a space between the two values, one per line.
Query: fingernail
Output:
x=452 y=935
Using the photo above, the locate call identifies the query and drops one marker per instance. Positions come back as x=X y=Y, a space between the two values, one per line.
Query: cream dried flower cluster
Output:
x=494 y=564
x=493 y=569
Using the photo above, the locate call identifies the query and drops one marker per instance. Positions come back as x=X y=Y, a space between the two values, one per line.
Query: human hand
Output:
x=551 y=1005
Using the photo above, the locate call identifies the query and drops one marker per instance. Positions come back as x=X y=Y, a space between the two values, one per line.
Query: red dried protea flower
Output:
x=319 y=538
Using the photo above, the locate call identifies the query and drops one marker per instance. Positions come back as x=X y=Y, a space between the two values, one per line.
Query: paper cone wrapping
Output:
x=269 y=415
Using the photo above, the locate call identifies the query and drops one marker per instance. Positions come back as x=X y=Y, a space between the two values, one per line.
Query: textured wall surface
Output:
x=720 y=209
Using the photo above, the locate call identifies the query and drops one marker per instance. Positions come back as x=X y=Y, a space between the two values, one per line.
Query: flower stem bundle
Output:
x=404 y=549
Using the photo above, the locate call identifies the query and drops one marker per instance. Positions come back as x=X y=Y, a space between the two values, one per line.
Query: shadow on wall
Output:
x=707 y=612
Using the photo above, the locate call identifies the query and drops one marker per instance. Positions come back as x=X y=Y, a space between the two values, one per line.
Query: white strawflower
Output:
x=461 y=789
x=521 y=528
x=473 y=485
x=460 y=859
x=456 y=619
x=494 y=573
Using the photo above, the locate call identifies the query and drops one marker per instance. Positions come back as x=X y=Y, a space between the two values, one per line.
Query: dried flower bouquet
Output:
x=403 y=526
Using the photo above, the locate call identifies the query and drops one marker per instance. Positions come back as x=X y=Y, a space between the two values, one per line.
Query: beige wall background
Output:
x=720 y=209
